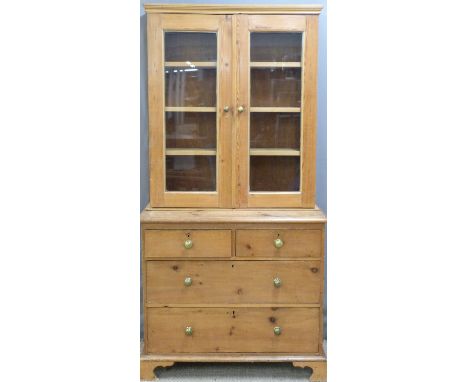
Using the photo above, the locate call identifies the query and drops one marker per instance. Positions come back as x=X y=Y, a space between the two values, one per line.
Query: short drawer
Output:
x=233 y=282
x=279 y=243
x=240 y=330
x=188 y=243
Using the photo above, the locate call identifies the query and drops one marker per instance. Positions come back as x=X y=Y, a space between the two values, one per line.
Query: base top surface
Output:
x=163 y=215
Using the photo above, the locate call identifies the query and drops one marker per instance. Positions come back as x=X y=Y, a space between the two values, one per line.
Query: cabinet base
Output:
x=317 y=363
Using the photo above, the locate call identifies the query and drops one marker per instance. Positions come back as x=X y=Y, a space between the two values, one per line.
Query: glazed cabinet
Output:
x=232 y=241
x=232 y=110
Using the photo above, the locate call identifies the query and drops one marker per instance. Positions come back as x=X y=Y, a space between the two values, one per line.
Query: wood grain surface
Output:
x=170 y=243
x=233 y=330
x=296 y=243
x=233 y=282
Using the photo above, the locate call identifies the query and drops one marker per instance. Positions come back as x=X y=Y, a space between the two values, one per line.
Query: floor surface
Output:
x=237 y=372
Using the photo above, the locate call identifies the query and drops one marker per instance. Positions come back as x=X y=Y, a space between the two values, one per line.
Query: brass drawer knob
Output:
x=188 y=331
x=277 y=330
x=277 y=282
x=240 y=109
x=278 y=243
x=188 y=244
x=226 y=108
x=188 y=281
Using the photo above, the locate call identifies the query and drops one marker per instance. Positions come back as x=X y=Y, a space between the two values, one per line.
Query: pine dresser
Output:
x=232 y=240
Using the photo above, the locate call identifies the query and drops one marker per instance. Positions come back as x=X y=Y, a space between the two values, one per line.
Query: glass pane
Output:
x=190 y=173
x=190 y=86
x=270 y=47
x=275 y=134
x=268 y=173
x=190 y=130
x=193 y=46
x=275 y=87
x=275 y=130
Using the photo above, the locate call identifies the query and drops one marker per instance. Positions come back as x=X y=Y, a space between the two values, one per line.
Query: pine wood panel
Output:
x=153 y=305
x=297 y=243
x=225 y=119
x=233 y=216
x=235 y=357
x=275 y=64
x=190 y=64
x=235 y=131
x=242 y=119
x=229 y=8
x=156 y=113
x=220 y=330
x=276 y=23
x=191 y=109
x=233 y=282
x=190 y=152
x=309 y=114
x=170 y=243
x=275 y=109
x=275 y=152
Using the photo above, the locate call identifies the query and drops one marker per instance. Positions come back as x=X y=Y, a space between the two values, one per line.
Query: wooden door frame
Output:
x=242 y=26
x=157 y=24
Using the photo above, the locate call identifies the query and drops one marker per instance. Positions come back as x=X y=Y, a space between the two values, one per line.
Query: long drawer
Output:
x=218 y=330
x=233 y=282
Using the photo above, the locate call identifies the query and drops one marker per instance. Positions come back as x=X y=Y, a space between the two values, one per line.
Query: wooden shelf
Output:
x=275 y=109
x=186 y=152
x=191 y=109
x=190 y=64
x=275 y=152
x=276 y=64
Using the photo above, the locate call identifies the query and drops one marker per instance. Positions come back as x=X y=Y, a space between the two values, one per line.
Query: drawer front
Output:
x=180 y=243
x=218 y=330
x=279 y=243
x=233 y=282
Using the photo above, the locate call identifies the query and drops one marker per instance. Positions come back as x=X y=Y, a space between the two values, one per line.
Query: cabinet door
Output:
x=189 y=84
x=276 y=110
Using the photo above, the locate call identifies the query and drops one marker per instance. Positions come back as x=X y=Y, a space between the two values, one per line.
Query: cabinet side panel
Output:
x=309 y=117
x=155 y=110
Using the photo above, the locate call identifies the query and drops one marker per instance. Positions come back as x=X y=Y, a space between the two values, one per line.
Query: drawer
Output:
x=291 y=243
x=233 y=282
x=241 y=330
x=187 y=243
